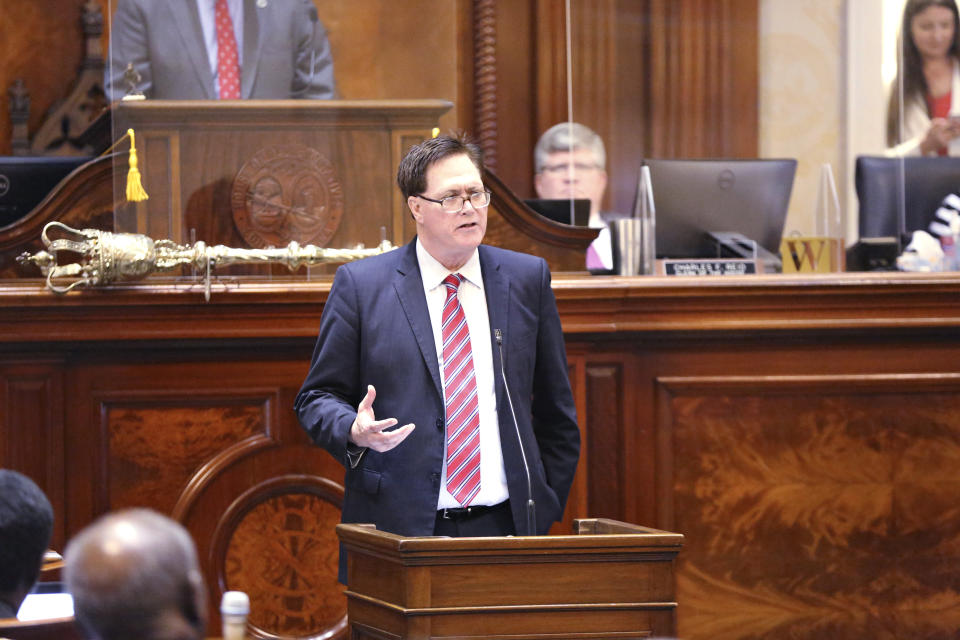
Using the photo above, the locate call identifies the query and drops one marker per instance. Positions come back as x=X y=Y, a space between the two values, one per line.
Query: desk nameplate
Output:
x=707 y=267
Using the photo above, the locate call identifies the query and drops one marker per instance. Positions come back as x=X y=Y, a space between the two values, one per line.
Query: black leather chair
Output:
x=26 y=180
x=900 y=195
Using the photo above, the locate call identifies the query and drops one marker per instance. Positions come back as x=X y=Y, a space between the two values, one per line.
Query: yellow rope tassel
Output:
x=135 y=191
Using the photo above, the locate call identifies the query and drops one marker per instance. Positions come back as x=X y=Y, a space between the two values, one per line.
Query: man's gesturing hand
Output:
x=367 y=431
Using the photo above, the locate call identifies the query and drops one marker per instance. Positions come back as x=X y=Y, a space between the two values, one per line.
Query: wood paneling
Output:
x=817 y=506
x=31 y=390
x=605 y=393
x=655 y=78
x=219 y=450
x=41 y=41
x=802 y=434
x=704 y=69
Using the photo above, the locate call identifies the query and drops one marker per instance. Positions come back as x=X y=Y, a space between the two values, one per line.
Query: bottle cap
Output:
x=235 y=603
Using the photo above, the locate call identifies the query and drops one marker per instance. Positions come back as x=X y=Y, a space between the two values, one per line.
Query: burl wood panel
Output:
x=815 y=512
x=156 y=450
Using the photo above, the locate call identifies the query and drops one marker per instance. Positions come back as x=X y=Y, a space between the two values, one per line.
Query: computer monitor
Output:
x=26 y=181
x=560 y=210
x=695 y=197
x=900 y=195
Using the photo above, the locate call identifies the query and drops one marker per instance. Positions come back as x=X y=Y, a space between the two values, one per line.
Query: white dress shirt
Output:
x=473 y=300
x=208 y=23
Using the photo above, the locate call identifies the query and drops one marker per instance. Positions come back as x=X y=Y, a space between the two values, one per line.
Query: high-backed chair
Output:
x=900 y=195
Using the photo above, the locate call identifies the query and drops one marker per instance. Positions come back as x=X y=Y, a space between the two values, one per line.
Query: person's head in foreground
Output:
x=26 y=522
x=134 y=574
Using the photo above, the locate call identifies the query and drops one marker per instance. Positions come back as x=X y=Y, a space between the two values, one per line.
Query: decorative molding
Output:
x=485 y=78
x=604 y=398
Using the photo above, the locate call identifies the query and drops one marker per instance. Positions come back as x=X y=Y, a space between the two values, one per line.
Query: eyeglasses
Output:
x=454 y=204
x=577 y=166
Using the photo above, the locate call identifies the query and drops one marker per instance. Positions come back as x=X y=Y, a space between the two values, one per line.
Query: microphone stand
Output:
x=531 y=505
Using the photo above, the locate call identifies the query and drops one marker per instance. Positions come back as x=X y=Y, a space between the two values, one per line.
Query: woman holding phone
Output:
x=923 y=117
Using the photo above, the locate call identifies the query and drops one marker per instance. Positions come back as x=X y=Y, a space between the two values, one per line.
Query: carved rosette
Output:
x=283 y=552
x=284 y=194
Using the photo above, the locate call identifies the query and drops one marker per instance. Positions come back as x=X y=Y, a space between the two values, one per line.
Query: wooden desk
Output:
x=802 y=433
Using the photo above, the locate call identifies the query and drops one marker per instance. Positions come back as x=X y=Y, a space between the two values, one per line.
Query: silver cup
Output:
x=626 y=235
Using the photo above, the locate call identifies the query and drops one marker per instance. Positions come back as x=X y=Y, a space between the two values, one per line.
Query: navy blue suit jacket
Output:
x=376 y=330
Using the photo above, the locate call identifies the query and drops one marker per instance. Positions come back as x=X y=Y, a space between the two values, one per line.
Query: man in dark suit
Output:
x=410 y=337
x=279 y=46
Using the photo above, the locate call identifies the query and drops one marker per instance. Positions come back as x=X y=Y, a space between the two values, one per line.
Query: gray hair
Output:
x=131 y=569
x=569 y=137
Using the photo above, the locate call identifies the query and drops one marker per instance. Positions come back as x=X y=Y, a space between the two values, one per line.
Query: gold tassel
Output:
x=435 y=132
x=135 y=191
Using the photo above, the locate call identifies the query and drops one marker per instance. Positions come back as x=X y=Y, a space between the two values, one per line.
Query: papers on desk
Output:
x=44 y=606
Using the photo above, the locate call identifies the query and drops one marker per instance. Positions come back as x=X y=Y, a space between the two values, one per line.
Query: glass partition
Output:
x=816 y=83
x=255 y=132
x=304 y=143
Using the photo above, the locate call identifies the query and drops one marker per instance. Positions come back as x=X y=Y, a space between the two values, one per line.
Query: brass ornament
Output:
x=104 y=257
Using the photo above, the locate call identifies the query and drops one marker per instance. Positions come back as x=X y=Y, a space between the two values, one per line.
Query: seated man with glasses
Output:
x=570 y=162
x=460 y=343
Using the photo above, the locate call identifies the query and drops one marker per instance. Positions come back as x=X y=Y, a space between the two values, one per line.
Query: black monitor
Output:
x=693 y=198
x=900 y=195
x=25 y=181
x=562 y=210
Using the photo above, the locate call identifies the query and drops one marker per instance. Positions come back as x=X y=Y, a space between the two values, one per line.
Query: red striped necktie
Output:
x=460 y=394
x=228 y=59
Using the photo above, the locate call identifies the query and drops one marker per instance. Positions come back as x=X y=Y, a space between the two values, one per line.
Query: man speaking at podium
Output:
x=415 y=337
x=219 y=49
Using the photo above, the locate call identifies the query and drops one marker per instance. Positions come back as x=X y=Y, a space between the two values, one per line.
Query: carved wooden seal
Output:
x=287 y=193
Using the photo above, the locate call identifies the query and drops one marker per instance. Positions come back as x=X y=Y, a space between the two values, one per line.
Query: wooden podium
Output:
x=610 y=580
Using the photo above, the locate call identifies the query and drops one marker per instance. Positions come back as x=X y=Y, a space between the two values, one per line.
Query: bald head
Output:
x=135 y=574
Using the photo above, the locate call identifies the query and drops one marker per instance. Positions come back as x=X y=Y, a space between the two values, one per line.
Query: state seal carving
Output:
x=284 y=194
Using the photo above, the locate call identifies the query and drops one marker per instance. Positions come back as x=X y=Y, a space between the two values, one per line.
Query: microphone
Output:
x=531 y=505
